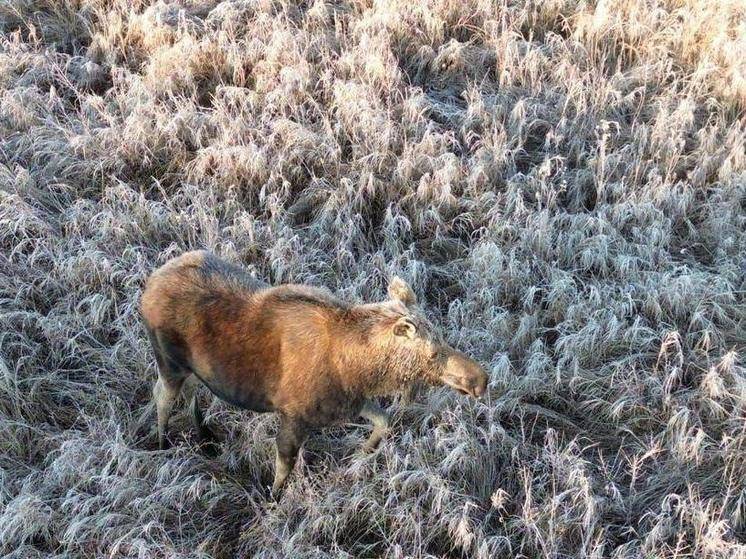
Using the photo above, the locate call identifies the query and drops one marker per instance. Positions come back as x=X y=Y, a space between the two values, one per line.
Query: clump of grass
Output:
x=562 y=183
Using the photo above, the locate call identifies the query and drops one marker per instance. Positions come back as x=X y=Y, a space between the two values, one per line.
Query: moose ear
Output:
x=405 y=327
x=399 y=290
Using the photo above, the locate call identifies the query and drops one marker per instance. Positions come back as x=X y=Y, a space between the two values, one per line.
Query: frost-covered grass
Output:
x=563 y=183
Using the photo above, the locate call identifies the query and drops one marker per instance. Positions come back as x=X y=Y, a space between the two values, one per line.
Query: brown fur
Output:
x=293 y=349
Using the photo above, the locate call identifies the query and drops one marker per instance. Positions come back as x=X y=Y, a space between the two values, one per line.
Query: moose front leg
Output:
x=380 y=419
x=290 y=437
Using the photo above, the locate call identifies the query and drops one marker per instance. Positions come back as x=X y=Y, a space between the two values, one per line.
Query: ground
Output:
x=563 y=183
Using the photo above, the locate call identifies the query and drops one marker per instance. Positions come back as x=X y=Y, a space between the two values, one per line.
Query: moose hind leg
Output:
x=190 y=396
x=380 y=419
x=171 y=377
x=290 y=437
x=165 y=392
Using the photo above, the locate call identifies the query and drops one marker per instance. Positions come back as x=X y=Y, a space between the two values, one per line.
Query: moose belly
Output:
x=246 y=397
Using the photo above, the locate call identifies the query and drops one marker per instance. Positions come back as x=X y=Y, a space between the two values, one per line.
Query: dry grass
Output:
x=564 y=185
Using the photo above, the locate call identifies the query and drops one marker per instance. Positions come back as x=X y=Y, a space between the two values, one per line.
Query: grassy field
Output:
x=562 y=182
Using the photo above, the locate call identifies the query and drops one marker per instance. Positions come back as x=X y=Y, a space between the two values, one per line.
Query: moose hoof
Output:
x=370 y=448
x=211 y=448
x=206 y=434
x=275 y=493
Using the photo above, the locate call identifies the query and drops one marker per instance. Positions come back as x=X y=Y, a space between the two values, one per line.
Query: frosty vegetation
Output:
x=563 y=183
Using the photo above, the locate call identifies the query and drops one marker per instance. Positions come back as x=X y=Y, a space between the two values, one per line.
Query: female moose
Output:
x=292 y=349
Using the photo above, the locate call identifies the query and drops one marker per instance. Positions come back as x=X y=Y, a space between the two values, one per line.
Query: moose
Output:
x=292 y=349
